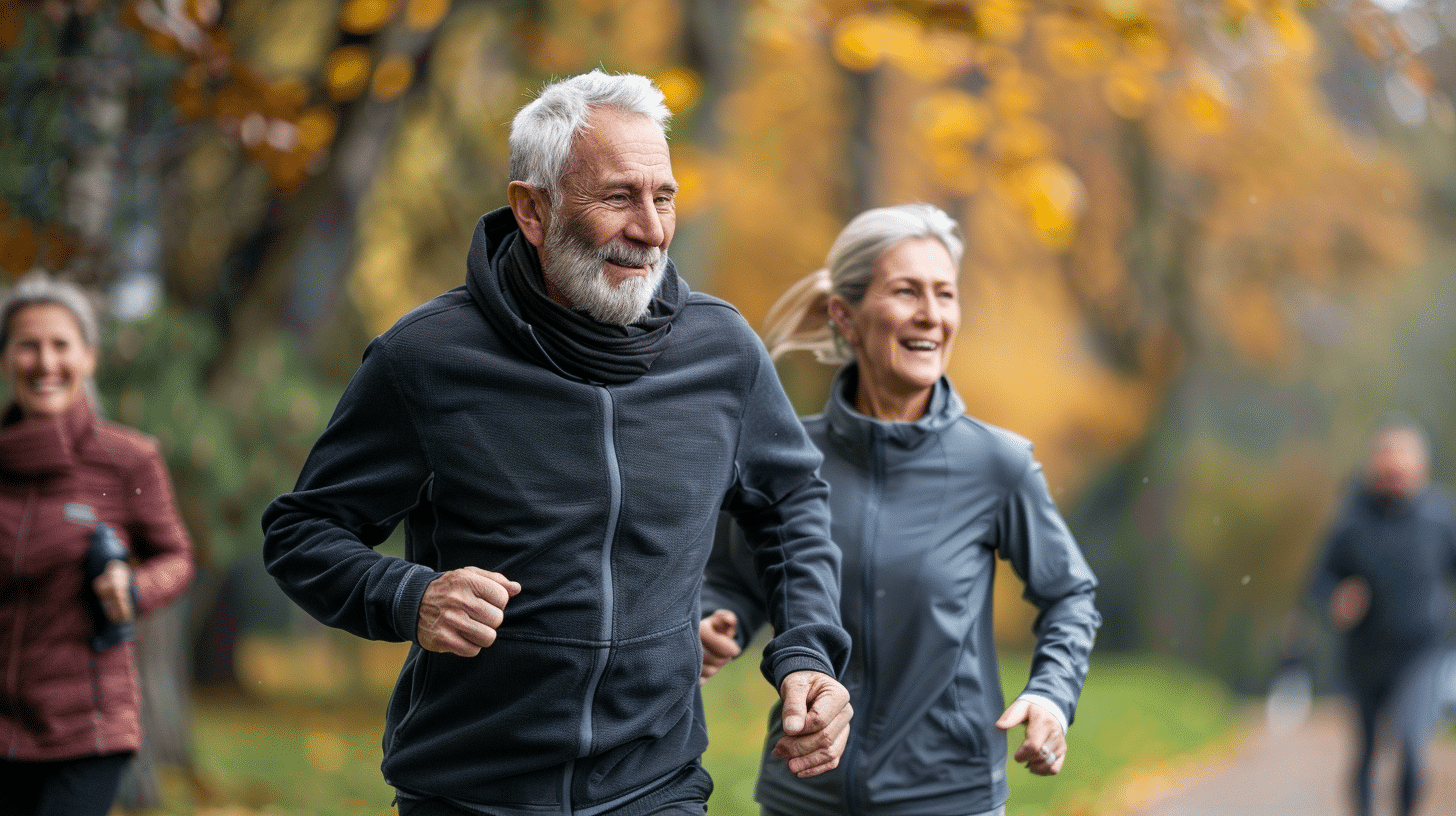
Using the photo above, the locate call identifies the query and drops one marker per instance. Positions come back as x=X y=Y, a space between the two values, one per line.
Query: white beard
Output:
x=575 y=268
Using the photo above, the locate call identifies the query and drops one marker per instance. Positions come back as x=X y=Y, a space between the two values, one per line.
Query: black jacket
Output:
x=1406 y=555
x=599 y=499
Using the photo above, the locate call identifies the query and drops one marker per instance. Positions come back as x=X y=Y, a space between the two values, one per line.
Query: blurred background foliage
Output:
x=1209 y=242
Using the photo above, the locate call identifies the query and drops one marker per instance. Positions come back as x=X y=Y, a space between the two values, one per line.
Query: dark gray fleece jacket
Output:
x=589 y=463
x=1407 y=556
x=922 y=511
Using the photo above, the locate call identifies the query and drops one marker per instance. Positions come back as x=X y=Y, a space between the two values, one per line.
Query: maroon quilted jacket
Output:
x=58 y=478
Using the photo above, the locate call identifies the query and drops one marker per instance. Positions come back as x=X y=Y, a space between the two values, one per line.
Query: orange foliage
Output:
x=285 y=122
x=19 y=244
x=10 y=23
x=366 y=16
x=1062 y=136
x=392 y=78
x=424 y=15
x=346 y=72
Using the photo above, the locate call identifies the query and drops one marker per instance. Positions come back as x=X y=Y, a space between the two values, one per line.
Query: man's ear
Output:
x=532 y=211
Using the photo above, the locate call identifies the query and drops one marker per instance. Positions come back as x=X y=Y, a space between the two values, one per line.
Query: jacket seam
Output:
x=393 y=382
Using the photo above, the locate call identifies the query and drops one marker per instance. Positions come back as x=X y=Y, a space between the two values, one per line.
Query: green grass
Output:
x=1140 y=717
x=282 y=759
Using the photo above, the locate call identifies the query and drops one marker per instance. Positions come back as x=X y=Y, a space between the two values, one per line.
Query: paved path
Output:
x=1298 y=770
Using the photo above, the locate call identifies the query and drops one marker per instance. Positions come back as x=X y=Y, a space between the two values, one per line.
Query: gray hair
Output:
x=543 y=131
x=1402 y=427
x=800 y=318
x=38 y=288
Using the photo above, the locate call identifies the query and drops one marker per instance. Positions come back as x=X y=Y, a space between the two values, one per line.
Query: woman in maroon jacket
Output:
x=70 y=708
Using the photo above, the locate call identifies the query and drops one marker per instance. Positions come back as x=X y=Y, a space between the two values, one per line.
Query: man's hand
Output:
x=462 y=609
x=719 y=633
x=113 y=589
x=1349 y=603
x=1045 y=747
x=816 y=723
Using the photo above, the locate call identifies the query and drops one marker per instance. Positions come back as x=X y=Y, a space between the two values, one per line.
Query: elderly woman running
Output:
x=924 y=500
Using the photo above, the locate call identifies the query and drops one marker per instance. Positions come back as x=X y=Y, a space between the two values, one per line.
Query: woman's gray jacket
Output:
x=921 y=510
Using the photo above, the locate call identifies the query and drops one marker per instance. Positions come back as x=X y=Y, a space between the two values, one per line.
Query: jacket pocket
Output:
x=946 y=736
x=648 y=684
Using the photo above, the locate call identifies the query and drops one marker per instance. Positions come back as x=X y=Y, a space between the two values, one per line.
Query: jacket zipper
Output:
x=12 y=677
x=605 y=634
x=853 y=797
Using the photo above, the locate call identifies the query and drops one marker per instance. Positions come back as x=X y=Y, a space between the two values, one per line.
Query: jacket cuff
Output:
x=407 y=598
x=788 y=664
x=1048 y=706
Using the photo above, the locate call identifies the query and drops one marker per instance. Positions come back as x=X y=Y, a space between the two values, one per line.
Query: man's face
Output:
x=1398 y=465
x=605 y=248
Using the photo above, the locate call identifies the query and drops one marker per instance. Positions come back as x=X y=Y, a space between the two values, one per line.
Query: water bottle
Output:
x=106 y=547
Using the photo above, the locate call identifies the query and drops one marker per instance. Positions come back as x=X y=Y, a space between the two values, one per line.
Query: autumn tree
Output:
x=1150 y=190
x=1156 y=194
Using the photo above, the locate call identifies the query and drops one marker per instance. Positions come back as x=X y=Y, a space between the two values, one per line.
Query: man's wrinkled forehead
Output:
x=614 y=142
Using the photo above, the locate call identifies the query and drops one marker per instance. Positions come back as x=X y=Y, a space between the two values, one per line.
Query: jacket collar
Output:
x=1376 y=505
x=852 y=433
x=504 y=277
x=43 y=445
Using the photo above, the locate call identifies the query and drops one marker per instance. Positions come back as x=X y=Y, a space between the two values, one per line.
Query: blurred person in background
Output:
x=90 y=538
x=923 y=501
x=558 y=436
x=1382 y=582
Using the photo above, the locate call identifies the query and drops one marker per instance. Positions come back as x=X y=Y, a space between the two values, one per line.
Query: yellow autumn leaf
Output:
x=282 y=97
x=1002 y=21
x=346 y=72
x=1021 y=140
x=691 y=170
x=680 y=87
x=856 y=43
x=366 y=16
x=1015 y=93
x=1292 y=31
x=1122 y=10
x=924 y=65
x=316 y=128
x=1143 y=45
x=1238 y=9
x=952 y=116
x=902 y=41
x=1054 y=197
x=423 y=15
x=956 y=169
x=287 y=172
x=1076 y=51
x=1205 y=111
x=953 y=49
x=1127 y=90
x=392 y=78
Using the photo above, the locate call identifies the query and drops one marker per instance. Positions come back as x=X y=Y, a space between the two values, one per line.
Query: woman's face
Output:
x=903 y=329
x=46 y=360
